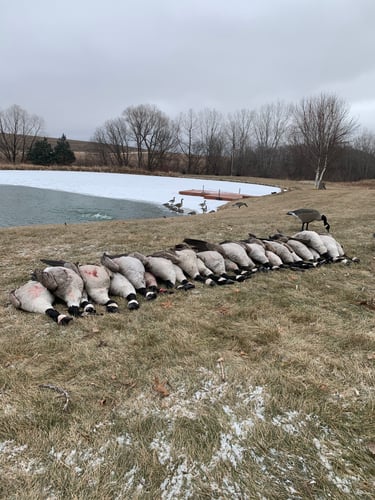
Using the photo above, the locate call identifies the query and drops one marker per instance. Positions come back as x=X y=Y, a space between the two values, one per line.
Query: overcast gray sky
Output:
x=78 y=63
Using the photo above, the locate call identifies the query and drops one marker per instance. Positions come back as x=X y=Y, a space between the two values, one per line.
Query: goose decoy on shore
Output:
x=170 y=203
x=203 y=206
x=179 y=204
x=36 y=298
x=307 y=215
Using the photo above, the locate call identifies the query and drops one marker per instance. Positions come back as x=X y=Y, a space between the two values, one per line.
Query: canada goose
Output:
x=231 y=250
x=305 y=252
x=237 y=252
x=335 y=250
x=84 y=303
x=151 y=282
x=186 y=258
x=34 y=297
x=164 y=269
x=172 y=200
x=210 y=265
x=132 y=268
x=286 y=254
x=121 y=287
x=257 y=252
x=179 y=205
x=97 y=280
x=64 y=283
x=203 y=206
x=205 y=246
x=274 y=259
x=302 y=250
x=307 y=215
x=215 y=261
x=312 y=240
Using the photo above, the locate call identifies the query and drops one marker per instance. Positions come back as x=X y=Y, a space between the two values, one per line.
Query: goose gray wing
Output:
x=61 y=263
x=46 y=279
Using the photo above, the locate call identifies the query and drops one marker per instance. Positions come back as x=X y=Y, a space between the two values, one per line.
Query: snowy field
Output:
x=150 y=189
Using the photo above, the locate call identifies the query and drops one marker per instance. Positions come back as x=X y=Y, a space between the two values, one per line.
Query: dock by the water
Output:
x=214 y=195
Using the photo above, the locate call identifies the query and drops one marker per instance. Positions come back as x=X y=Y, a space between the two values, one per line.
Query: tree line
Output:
x=315 y=139
x=20 y=140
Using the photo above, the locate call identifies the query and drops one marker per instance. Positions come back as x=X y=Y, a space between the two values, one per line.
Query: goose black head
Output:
x=325 y=222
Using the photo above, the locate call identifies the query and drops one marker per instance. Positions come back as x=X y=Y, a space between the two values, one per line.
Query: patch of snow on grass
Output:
x=124 y=439
x=326 y=455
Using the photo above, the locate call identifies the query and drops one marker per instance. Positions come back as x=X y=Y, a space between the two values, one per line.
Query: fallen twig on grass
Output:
x=60 y=390
x=221 y=365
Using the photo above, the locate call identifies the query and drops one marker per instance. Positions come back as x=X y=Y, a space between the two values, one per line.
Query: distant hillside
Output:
x=77 y=146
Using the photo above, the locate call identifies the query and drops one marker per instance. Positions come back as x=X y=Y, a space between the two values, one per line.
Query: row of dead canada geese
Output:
x=131 y=275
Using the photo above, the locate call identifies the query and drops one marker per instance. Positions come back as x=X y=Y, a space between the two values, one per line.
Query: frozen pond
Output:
x=47 y=197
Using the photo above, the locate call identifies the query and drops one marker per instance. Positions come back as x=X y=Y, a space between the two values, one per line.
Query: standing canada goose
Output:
x=170 y=203
x=203 y=206
x=34 y=297
x=239 y=204
x=179 y=205
x=97 y=280
x=132 y=268
x=307 y=215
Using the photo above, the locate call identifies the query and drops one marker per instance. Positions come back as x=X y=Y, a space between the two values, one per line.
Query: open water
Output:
x=25 y=206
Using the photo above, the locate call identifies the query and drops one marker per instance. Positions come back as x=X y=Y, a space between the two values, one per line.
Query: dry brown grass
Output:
x=294 y=417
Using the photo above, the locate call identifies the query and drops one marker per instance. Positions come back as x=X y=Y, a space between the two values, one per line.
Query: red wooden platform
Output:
x=214 y=195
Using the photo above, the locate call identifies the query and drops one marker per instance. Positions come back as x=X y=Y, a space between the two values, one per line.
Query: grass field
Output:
x=262 y=389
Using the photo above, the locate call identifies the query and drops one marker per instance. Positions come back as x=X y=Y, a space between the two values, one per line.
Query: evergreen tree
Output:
x=41 y=153
x=63 y=153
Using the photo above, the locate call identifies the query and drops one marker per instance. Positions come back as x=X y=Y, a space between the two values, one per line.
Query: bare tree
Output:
x=138 y=120
x=113 y=142
x=159 y=138
x=18 y=132
x=322 y=126
x=187 y=139
x=365 y=144
x=270 y=124
x=152 y=133
x=211 y=140
x=238 y=135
